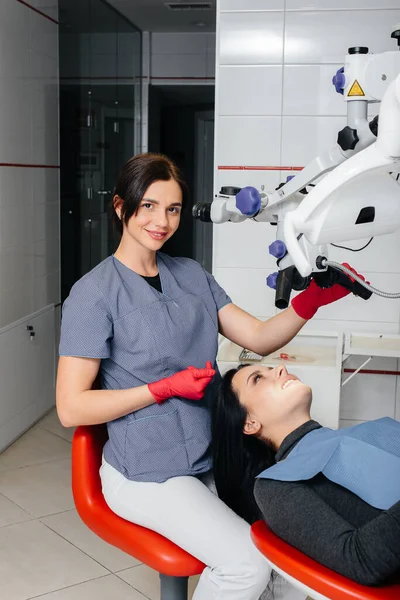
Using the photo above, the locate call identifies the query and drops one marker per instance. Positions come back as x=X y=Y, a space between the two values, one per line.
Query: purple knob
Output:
x=339 y=81
x=248 y=201
x=277 y=249
x=290 y=177
x=271 y=280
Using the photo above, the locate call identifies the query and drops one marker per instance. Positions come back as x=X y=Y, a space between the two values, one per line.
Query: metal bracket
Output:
x=356 y=371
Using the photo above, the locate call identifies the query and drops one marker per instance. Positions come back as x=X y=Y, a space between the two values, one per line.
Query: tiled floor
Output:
x=45 y=550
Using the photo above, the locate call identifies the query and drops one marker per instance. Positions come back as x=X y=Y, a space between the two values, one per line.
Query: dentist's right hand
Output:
x=189 y=383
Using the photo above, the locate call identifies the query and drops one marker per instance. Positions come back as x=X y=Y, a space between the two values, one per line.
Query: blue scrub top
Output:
x=141 y=336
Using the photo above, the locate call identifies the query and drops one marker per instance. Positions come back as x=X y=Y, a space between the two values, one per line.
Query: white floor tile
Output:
x=143 y=579
x=41 y=490
x=70 y=527
x=147 y=581
x=10 y=513
x=36 y=446
x=52 y=423
x=34 y=560
x=103 y=588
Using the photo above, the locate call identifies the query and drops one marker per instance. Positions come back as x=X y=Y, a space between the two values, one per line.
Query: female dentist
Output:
x=148 y=324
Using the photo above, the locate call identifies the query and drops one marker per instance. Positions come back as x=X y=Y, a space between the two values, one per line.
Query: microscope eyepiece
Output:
x=202 y=211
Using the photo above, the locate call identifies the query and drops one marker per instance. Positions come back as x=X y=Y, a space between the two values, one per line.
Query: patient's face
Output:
x=271 y=396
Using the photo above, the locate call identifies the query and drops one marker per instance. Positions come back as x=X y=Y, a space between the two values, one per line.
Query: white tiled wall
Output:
x=276 y=106
x=29 y=192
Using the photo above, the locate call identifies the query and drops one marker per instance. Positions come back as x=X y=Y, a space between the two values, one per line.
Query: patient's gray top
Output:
x=330 y=523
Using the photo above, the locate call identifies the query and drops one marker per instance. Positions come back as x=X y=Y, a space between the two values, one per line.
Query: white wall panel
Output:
x=368 y=397
x=248 y=289
x=43 y=34
x=249 y=140
x=26 y=399
x=318 y=323
x=15 y=121
x=244 y=244
x=340 y=4
x=308 y=90
x=251 y=38
x=303 y=138
x=29 y=194
x=17 y=18
x=324 y=37
x=261 y=179
x=250 y=90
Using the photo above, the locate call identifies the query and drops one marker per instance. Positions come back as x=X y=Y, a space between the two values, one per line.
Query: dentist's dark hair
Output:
x=237 y=458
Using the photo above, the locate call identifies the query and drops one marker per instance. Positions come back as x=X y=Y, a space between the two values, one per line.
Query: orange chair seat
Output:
x=145 y=545
x=312 y=574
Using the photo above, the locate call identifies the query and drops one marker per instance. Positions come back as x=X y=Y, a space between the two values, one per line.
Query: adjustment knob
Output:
x=230 y=190
x=277 y=249
x=359 y=50
x=248 y=201
x=339 y=81
x=271 y=280
x=374 y=125
x=396 y=34
x=348 y=138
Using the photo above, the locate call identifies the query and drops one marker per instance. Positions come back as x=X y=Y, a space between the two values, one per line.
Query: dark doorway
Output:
x=174 y=114
x=100 y=79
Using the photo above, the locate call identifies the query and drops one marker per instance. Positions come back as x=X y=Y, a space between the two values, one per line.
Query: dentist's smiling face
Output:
x=272 y=397
x=157 y=217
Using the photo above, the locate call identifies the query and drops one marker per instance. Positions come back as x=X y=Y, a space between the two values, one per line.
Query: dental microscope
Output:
x=347 y=193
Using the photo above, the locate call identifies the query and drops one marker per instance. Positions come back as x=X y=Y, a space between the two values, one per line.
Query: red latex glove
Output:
x=190 y=384
x=308 y=302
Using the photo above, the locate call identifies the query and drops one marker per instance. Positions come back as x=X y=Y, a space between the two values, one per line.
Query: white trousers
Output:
x=187 y=511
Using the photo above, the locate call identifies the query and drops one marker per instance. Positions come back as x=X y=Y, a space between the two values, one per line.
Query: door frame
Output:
x=204 y=173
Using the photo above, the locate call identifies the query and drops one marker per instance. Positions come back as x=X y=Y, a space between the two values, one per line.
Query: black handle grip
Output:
x=355 y=288
x=332 y=276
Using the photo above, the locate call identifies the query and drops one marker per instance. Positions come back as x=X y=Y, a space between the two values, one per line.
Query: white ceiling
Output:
x=153 y=15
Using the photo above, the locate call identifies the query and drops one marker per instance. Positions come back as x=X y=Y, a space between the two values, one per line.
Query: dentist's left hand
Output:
x=190 y=383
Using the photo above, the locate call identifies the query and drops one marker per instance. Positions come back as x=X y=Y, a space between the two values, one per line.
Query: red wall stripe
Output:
x=39 y=12
x=258 y=168
x=372 y=372
x=4 y=164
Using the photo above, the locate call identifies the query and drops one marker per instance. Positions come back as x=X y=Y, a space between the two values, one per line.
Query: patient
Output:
x=334 y=495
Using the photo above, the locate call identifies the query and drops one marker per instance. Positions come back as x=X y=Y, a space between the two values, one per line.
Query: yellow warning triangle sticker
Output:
x=356 y=90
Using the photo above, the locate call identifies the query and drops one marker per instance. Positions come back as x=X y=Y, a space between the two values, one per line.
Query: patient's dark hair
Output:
x=237 y=458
